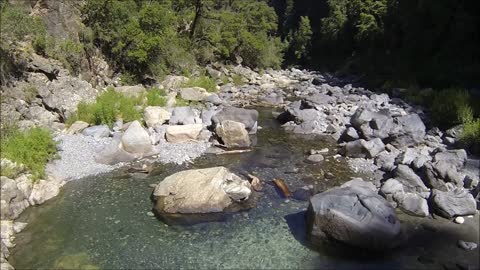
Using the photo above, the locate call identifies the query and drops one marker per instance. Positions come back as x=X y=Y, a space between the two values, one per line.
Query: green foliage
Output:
x=180 y=102
x=205 y=82
x=449 y=106
x=238 y=80
x=32 y=148
x=156 y=97
x=107 y=108
x=30 y=92
x=470 y=137
x=40 y=44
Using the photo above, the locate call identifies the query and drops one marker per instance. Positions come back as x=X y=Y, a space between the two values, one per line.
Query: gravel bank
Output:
x=77 y=157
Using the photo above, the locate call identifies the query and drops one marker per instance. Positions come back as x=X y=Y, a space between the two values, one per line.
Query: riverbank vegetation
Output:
x=32 y=148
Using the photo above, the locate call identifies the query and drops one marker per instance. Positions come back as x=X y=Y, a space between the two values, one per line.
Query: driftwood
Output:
x=234 y=152
x=283 y=187
x=256 y=183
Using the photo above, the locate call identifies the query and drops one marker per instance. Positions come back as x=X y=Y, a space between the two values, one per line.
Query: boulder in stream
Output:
x=209 y=190
x=355 y=215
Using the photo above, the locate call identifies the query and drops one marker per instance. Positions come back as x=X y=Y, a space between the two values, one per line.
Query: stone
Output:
x=386 y=161
x=233 y=134
x=136 y=139
x=459 y=220
x=456 y=158
x=173 y=82
x=114 y=153
x=183 y=133
x=409 y=179
x=410 y=130
x=453 y=203
x=467 y=245
x=193 y=93
x=364 y=149
x=184 y=116
x=355 y=215
x=77 y=127
x=321 y=99
x=131 y=90
x=391 y=186
x=42 y=191
x=315 y=158
x=350 y=134
x=200 y=191
x=214 y=99
x=101 y=131
x=155 y=116
x=407 y=157
x=248 y=117
x=412 y=204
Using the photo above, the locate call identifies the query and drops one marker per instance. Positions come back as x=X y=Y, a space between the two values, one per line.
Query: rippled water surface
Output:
x=102 y=222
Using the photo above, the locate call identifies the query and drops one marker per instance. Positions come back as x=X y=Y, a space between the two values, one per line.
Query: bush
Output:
x=449 y=106
x=32 y=148
x=204 y=82
x=156 y=97
x=108 y=107
x=238 y=80
x=470 y=137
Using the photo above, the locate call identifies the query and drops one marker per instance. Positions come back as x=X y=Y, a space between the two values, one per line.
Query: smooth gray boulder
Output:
x=233 y=134
x=364 y=149
x=183 y=133
x=136 y=139
x=101 y=131
x=355 y=215
x=410 y=130
x=453 y=203
x=193 y=93
x=184 y=116
x=200 y=191
x=248 y=117
x=412 y=204
x=350 y=134
x=155 y=116
x=114 y=153
x=409 y=179
x=456 y=158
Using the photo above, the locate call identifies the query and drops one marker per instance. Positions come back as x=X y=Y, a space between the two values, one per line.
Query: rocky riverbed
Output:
x=384 y=140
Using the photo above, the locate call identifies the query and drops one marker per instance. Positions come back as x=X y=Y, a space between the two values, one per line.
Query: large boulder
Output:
x=77 y=127
x=355 y=215
x=173 y=82
x=410 y=130
x=131 y=90
x=409 y=179
x=100 y=131
x=42 y=191
x=114 y=153
x=193 y=93
x=136 y=139
x=412 y=204
x=184 y=116
x=456 y=158
x=183 y=133
x=14 y=199
x=453 y=203
x=233 y=134
x=364 y=149
x=155 y=116
x=200 y=191
x=372 y=124
x=247 y=117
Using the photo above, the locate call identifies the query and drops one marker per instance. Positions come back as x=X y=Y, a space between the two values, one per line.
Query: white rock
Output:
x=42 y=191
x=155 y=116
x=459 y=220
x=183 y=133
x=77 y=127
x=136 y=139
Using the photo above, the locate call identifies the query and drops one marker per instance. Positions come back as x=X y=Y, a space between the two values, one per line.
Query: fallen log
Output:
x=234 y=152
x=280 y=184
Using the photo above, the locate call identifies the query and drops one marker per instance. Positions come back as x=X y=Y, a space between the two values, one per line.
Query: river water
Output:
x=101 y=222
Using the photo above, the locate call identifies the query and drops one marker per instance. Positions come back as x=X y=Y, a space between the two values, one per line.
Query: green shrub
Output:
x=108 y=107
x=30 y=92
x=156 y=97
x=180 y=102
x=40 y=44
x=204 y=82
x=449 y=106
x=32 y=148
x=470 y=137
x=238 y=80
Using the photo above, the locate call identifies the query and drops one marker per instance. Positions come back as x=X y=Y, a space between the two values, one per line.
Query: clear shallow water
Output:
x=102 y=221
